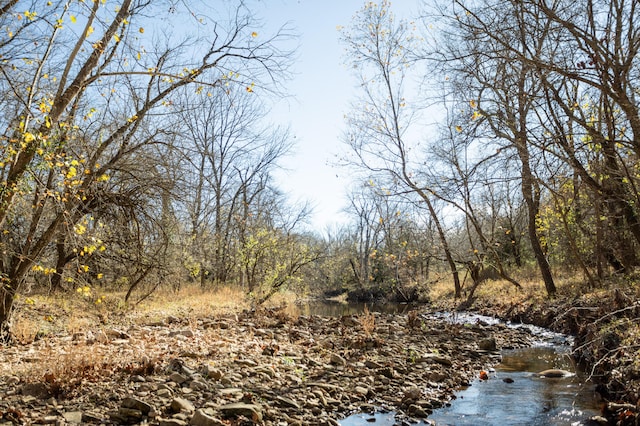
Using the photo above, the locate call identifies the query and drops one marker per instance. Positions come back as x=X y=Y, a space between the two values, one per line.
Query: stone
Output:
x=435 y=358
x=372 y=364
x=137 y=404
x=555 y=373
x=200 y=418
x=89 y=417
x=181 y=404
x=37 y=390
x=387 y=372
x=417 y=411
x=337 y=360
x=74 y=417
x=287 y=402
x=248 y=362
x=198 y=385
x=184 y=333
x=412 y=394
x=252 y=411
x=172 y=422
x=178 y=378
x=164 y=393
x=361 y=390
x=488 y=344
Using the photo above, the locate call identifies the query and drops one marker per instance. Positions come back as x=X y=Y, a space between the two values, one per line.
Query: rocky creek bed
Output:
x=256 y=367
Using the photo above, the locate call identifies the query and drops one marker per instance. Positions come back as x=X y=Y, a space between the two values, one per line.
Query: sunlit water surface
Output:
x=528 y=400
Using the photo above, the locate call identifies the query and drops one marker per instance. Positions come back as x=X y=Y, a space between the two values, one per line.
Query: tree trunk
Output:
x=534 y=238
x=7 y=295
x=443 y=240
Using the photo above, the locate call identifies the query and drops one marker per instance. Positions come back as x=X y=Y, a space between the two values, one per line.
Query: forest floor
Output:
x=196 y=358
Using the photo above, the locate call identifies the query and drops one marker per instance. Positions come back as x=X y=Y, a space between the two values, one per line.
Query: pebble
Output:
x=313 y=373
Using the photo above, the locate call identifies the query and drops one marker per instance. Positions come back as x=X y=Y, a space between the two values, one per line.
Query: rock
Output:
x=488 y=344
x=137 y=404
x=88 y=417
x=432 y=357
x=372 y=364
x=337 y=360
x=417 y=411
x=200 y=418
x=74 y=417
x=252 y=411
x=37 y=390
x=178 y=378
x=555 y=373
x=387 y=372
x=198 y=385
x=117 y=334
x=172 y=422
x=508 y=380
x=599 y=420
x=412 y=394
x=184 y=333
x=361 y=390
x=287 y=402
x=247 y=362
x=181 y=404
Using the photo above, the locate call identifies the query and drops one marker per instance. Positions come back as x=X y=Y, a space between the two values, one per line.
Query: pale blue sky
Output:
x=321 y=93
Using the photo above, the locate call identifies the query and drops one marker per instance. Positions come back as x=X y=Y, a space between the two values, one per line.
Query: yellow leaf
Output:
x=473 y=104
x=116 y=38
x=89 y=31
x=73 y=18
x=254 y=34
x=141 y=30
x=458 y=129
x=28 y=137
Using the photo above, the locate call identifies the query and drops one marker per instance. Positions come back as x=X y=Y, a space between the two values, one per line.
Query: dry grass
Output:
x=567 y=283
x=193 y=301
x=367 y=321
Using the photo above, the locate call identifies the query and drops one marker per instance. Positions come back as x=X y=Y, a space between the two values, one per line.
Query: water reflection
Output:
x=338 y=309
x=528 y=400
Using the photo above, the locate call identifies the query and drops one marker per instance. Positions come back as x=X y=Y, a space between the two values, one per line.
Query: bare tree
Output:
x=380 y=50
x=228 y=152
x=503 y=92
x=87 y=97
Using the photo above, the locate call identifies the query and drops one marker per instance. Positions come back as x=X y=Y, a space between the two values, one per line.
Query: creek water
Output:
x=524 y=399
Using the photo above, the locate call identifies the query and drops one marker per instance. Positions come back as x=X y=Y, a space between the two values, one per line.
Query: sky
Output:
x=321 y=92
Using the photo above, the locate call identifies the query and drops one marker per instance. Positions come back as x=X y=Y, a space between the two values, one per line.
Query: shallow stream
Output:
x=523 y=399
